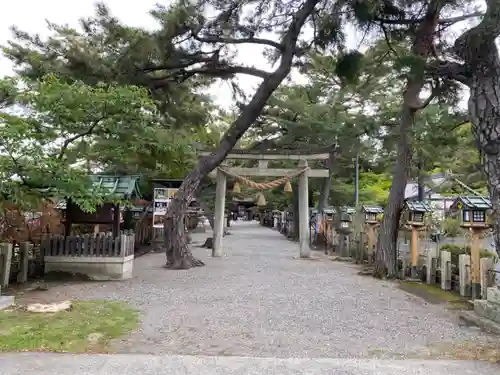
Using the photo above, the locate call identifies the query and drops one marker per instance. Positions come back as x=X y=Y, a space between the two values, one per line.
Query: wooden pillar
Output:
x=116 y=221
x=22 y=276
x=305 y=250
x=414 y=251
x=220 y=203
x=475 y=263
x=371 y=238
x=68 y=220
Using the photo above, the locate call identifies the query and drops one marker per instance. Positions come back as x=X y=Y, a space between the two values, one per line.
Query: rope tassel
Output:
x=236 y=187
x=288 y=187
x=261 y=200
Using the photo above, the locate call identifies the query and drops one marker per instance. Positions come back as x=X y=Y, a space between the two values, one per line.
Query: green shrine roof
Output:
x=418 y=206
x=373 y=209
x=122 y=187
x=472 y=202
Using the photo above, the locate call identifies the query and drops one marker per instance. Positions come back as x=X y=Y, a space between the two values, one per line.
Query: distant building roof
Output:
x=436 y=179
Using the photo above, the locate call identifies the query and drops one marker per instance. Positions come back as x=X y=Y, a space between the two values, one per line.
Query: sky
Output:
x=30 y=16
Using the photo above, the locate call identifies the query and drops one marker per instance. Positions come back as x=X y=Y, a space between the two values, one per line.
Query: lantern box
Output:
x=344 y=224
x=329 y=213
x=473 y=211
x=414 y=213
x=371 y=213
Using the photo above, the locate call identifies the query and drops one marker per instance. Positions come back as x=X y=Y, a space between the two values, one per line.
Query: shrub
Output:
x=451 y=227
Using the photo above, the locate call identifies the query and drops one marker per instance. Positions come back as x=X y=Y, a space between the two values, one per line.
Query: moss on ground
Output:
x=88 y=327
x=435 y=295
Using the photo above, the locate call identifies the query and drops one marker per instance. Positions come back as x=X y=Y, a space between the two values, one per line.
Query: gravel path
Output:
x=260 y=301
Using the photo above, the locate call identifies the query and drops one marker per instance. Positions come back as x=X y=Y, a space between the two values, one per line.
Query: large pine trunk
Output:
x=478 y=49
x=484 y=112
x=386 y=254
x=178 y=253
x=385 y=258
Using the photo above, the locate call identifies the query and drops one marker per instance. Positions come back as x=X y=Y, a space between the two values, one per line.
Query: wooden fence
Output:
x=91 y=245
x=18 y=263
x=143 y=229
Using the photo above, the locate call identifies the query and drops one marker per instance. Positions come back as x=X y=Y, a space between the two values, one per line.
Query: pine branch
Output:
x=215 y=39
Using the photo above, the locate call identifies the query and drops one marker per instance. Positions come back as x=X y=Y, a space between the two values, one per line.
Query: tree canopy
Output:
x=135 y=100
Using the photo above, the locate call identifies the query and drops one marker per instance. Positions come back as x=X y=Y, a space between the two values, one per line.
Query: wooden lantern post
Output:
x=344 y=229
x=328 y=228
x=372 y=223
x=474 y=217
x=414 y=214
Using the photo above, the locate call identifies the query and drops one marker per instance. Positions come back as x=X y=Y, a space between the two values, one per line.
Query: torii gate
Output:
x=263 y=157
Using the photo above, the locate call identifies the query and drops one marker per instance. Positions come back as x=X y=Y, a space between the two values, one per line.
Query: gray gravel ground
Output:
x=260 y=301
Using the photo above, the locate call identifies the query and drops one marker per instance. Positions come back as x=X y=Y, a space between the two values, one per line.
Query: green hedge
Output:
x=456 y=250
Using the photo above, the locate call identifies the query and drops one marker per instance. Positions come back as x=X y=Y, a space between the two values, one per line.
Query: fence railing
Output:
x=18 y=263
x=91 y=245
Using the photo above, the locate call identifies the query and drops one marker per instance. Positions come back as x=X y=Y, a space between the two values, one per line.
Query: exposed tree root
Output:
x=184 y=263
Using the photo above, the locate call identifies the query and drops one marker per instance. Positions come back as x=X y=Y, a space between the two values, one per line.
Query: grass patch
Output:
x=87 y=327
x=434 y=294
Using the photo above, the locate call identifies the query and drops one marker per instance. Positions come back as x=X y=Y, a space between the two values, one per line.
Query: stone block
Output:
x=487 y=310
x=430 y=271
x=96 y=268
x=493 y=295
x=487 y=325
x=5 y=263
x=485 y=267
x=445 y=270
x=464 y=275
x=6 y=302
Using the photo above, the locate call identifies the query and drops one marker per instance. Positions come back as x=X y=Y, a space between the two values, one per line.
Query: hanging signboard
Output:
x=162 y=198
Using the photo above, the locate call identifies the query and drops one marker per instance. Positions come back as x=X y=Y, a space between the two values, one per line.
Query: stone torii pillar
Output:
x=220 y=204
x=305 y=250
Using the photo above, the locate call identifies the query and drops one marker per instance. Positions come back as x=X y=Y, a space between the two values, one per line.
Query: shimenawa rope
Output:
x=263 y=185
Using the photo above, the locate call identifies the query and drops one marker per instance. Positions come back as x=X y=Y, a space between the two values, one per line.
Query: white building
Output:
x=439 y=203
